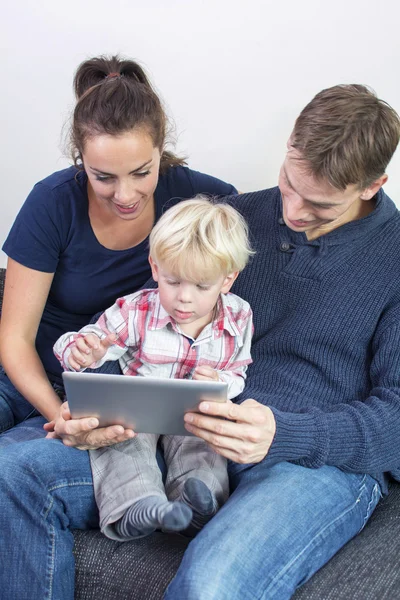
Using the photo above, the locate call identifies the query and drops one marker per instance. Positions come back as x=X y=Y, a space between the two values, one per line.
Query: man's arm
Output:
x=359 y=436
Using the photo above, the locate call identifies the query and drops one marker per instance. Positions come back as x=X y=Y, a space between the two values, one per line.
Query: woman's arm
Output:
x=25 y=295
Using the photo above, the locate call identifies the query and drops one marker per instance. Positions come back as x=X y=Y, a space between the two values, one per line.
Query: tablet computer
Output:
x=144 y=404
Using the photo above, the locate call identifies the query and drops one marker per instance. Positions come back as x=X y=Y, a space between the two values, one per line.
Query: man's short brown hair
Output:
x=346 y=135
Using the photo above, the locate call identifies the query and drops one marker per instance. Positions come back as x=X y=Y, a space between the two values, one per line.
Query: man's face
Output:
x=315 y=207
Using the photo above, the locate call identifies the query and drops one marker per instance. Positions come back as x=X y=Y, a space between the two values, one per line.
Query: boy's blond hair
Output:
x=199 y=239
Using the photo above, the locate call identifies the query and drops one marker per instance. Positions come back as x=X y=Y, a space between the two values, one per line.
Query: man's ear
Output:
x=228 y=282
x=154 y=269
x=374 y=188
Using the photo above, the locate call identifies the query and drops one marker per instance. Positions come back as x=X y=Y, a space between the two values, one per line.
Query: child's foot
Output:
x=151 y=513
x=202 y=502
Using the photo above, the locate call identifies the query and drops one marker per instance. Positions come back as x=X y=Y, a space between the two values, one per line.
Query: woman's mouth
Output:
x=127 y=209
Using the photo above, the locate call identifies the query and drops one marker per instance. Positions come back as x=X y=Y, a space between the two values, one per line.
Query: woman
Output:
x=79 y=241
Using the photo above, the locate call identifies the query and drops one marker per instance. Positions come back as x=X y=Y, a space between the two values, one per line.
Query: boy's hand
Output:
x=205 y=373
x=88 y=349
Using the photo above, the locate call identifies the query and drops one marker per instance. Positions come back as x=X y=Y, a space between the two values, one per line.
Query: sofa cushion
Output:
x=365 y=569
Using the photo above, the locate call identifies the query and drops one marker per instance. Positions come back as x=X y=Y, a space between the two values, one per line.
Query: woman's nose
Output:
x=125 y=193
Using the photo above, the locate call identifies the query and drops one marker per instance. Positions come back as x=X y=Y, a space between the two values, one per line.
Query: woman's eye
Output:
x=143 y=174
x=103 y=178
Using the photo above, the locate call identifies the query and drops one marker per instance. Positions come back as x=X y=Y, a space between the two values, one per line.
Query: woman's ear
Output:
x=228 y=282
x=154 y=269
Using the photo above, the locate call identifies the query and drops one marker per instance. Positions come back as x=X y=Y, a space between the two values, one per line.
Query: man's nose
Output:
x=295 y=208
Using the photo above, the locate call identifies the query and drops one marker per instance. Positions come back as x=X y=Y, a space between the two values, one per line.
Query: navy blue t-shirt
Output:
x=52 y=233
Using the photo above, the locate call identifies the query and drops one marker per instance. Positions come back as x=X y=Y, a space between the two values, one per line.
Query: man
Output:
x=315 y=436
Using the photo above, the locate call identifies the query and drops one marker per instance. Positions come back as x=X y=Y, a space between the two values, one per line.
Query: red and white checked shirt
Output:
x=151 y=344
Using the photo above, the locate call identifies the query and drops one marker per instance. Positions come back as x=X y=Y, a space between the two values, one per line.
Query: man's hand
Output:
x=88 y=349
x=205 y=373
x=85 y=433
x=245 y=437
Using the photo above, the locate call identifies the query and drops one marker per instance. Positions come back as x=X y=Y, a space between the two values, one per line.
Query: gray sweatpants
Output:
x=127 y=472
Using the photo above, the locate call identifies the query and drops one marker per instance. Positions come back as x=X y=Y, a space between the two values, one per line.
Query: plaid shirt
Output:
x=151 y=344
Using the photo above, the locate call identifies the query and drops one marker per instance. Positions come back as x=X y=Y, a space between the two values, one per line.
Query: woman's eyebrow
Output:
x=112 y=174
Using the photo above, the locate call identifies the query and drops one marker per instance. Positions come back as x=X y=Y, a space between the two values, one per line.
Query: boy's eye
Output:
x=173 y=282
x=203 y=287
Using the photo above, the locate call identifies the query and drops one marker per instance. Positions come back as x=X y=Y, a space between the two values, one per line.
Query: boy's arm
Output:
x=235 y=377
x=115 y=320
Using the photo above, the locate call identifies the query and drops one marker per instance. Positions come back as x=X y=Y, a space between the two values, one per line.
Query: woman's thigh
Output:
x=45 y=491
x=279 y=527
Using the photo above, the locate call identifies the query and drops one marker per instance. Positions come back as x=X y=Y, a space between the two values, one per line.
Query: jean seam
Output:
x=52 y=559
x=375 y=491
x=288 y=566
x=52 y=531
x=62 y=485
x=29 y=416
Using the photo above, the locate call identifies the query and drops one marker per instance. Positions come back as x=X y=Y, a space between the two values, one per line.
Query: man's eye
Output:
x=322 y=206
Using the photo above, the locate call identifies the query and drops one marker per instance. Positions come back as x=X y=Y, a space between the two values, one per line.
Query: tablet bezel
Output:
x=138 y=403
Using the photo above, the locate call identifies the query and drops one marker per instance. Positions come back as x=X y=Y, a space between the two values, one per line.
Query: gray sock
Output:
x=202 y=502
x=151 y=513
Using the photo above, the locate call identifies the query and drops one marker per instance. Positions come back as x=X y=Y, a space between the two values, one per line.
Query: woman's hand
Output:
x=85 y=433
x=245 y=437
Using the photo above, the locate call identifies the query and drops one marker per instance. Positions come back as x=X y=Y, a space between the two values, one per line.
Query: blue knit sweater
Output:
x=326 y=345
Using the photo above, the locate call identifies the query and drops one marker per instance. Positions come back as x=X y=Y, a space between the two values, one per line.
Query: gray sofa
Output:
x=367 y=568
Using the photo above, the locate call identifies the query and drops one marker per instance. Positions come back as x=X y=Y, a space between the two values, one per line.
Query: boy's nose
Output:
x=184 y=295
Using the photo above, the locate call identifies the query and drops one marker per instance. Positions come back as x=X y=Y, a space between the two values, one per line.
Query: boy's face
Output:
x=189 y=303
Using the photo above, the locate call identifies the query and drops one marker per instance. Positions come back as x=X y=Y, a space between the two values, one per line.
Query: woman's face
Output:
x=122 y=172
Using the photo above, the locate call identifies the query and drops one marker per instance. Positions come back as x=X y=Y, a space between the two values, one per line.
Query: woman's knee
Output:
x=43 y=460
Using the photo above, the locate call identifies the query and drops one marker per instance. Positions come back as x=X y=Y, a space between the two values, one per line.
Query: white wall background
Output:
x=234 y=74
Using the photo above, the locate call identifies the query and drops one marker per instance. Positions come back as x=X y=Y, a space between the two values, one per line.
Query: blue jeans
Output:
x=45 y=491
x=279 y=527
x=13 y=406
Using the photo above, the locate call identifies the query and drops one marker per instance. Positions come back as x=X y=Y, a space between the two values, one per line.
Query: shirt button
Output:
x=285 y=246
x=281 y=221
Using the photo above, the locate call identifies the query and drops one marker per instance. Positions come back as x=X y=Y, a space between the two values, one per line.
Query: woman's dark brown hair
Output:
x=114 y=96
